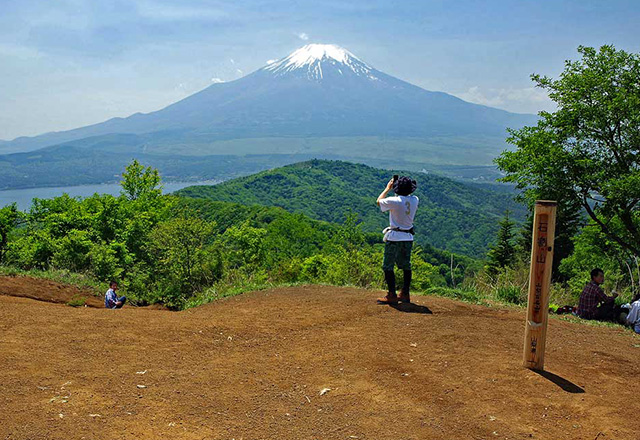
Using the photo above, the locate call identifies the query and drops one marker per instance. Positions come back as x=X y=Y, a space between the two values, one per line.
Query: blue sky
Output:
x=69 y=63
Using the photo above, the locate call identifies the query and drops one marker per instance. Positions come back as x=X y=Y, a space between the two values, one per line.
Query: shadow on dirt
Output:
x=563 y=383
x=412 y=308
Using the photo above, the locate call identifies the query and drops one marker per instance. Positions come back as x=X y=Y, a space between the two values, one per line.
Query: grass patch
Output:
x=593 y=323
x=77 y=301
x=510 y=294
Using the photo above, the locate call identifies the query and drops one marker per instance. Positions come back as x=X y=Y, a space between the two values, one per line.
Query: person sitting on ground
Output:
x=398 y=237
x=594 y=304
x=111 y=300
x=633 y=318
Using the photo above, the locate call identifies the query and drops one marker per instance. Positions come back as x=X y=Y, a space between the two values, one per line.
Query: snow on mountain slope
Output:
x=312 y=58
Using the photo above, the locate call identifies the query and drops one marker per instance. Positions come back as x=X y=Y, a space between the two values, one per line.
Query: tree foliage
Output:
x=186 y=258
x=585 y=155
x=9 y=216
x=502 y=253
x=140 y=182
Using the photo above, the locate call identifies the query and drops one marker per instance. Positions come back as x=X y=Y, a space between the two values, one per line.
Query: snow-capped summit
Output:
x=314 y=61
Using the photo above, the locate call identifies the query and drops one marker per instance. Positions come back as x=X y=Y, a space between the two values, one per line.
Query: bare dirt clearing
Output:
x=253 y=367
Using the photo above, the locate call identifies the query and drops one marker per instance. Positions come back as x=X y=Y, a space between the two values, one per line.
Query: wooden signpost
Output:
x=535 y=335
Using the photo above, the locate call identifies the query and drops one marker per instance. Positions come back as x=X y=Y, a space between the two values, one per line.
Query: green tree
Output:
x=593 y=249
x=9 y=216
x=586 y=154
x=245 y=245
x=185 y=258
x=502 y=253
x=139 y=181
x=349 y=234
x=72 y=251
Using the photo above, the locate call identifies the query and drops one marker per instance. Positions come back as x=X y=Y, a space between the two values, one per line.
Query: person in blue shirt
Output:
x=111 y=300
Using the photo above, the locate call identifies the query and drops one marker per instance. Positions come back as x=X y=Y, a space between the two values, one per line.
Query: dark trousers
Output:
x=605 y=311
x=121 y=300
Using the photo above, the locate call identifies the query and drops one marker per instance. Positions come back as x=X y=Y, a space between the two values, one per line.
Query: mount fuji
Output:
x=321 y=100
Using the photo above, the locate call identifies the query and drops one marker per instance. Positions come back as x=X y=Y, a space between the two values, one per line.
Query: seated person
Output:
x=633 y=318
x=594 y=304
x=111 y=300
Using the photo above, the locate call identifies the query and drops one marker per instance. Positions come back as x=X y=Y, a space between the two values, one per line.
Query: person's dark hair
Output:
x=112 y=283
x=595 y=272
x=404 y=186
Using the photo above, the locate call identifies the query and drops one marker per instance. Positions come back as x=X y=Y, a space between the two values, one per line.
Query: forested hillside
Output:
x=452 y=216
x=183 y=251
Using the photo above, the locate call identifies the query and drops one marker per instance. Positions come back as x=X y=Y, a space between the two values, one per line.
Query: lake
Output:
x=23 y=197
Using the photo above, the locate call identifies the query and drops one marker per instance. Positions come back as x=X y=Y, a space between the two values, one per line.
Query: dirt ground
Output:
x=255 y=367
x=45 y=290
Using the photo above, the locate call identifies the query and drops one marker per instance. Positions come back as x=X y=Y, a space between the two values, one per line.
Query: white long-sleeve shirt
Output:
x=633 y=318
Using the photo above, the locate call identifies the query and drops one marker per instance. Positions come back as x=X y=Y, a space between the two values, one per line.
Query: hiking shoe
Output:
x=404 y=298
x=388 y=300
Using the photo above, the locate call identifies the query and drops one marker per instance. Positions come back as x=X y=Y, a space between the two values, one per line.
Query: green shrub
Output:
x=425 y=275
x=77 y=301
x=510 y=294
x=315 y=268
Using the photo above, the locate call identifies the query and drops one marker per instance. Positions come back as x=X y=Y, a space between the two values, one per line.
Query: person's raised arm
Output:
x=384 y=193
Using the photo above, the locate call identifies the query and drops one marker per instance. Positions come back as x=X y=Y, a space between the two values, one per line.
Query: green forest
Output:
x=453 y=216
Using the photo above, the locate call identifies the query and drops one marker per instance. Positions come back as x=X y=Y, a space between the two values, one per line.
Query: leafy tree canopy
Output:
x=586 y=153
x=139 y=181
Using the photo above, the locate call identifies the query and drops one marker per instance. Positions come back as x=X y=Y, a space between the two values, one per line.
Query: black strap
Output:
x=410 y=231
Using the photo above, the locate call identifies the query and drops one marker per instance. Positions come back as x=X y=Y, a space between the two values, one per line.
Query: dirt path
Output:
x=253 y=367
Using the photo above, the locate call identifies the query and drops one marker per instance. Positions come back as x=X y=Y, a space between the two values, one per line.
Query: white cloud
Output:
x=303 y=36
x=239 y=71
x=523 y=100
x=217 y=80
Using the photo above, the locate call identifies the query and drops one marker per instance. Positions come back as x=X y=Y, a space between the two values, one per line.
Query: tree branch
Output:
x=605 y=228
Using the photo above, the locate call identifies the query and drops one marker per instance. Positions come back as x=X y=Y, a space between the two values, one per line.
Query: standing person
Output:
x=398 y=237
x=111 y=300
x=594 y=304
